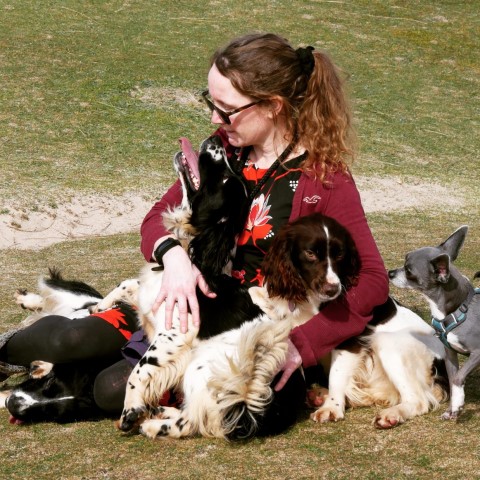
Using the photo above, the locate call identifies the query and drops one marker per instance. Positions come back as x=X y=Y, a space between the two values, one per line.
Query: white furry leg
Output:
x=344 y=364
x=456 y=403
x=162 y=367
x=408 y=365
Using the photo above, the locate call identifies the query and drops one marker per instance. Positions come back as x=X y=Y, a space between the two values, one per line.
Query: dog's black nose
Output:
x=216 y=140
x=392 y=273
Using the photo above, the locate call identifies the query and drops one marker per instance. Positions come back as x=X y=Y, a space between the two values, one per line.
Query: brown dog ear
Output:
x=351 y=263
x=281 y=276
x=441 y=268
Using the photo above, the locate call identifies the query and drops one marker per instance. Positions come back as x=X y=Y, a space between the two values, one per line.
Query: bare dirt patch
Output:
x=100 y=216
x=79 y=218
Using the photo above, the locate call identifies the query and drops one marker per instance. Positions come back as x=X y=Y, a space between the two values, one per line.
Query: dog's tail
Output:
x=55 y=280
x=242 y=389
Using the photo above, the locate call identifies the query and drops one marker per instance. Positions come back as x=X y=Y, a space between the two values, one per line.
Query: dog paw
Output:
x=449 y=415
x=155 y=428
x=316 y=396
x=28 y=301
x=93 y=309
x=3 y=398
x=19 y=296
x=388 y=418
x=328 y=414
x=131 y=418
x=39 y=369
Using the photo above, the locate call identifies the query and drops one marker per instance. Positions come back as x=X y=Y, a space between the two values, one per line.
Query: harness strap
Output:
x=454 y=319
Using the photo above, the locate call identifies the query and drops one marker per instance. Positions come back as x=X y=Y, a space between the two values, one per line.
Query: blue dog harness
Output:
x=453 y=320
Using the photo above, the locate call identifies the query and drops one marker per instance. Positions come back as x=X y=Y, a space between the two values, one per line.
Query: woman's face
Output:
x=253 y=126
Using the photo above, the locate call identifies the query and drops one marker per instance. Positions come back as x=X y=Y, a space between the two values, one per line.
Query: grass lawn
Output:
x=94 y=97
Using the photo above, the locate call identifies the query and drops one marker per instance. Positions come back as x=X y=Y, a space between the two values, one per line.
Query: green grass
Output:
x=94 y=97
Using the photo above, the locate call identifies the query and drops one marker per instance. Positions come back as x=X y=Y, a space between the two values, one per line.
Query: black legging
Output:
x=109 y=387
x=58 y=339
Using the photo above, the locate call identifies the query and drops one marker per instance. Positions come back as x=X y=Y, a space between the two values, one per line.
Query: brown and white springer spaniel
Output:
x=394 y=364
x=226 y=380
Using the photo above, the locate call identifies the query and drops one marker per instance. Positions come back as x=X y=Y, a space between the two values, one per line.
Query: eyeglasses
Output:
x=225 y=116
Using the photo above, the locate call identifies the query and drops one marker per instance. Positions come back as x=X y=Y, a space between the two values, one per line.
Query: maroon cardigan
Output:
x=343 y=318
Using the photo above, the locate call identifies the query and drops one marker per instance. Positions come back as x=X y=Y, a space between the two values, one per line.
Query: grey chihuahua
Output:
x=455 y=307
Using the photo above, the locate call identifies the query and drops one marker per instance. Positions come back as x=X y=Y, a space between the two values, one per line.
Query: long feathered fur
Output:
x=243 y=390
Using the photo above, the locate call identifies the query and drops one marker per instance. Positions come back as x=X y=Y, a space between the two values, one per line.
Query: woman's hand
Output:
x=180 y=279
x=292 y=362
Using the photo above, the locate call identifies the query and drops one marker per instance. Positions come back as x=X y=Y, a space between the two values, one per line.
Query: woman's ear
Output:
x=275 y=107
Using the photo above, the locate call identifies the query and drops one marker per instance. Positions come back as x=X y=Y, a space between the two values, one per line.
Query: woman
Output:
x=283 y=113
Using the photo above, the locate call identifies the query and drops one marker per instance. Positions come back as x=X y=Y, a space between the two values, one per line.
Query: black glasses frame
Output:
x=225 y=116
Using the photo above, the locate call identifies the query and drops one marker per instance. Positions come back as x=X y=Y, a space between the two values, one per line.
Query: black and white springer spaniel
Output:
x=208 y=222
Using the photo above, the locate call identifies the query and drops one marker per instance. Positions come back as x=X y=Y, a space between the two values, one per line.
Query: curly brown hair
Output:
x=316 y=109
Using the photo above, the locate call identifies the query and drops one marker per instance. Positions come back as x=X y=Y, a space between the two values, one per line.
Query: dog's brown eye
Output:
x=310 y=255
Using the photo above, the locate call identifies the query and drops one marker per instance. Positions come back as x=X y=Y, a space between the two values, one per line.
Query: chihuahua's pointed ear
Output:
x=441 y=267
x=454 y=242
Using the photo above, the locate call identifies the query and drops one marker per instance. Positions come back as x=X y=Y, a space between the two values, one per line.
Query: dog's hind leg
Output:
x=162 y=367
x=408 y=364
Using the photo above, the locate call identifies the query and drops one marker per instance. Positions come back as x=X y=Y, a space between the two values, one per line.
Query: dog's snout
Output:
x=217 y=141
x=331 y=289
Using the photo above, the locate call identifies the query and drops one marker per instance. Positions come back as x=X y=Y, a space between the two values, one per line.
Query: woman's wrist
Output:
x=163 y=247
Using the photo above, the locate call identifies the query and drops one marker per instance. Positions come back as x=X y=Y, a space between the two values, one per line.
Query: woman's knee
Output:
x=109 y=387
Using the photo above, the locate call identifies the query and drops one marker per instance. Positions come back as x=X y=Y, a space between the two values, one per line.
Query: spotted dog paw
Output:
x=131 y=418
x=328 y=413
x=154 y=427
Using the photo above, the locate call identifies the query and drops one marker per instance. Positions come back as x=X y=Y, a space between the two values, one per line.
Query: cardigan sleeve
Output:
x=348 y=315
x=152 y=226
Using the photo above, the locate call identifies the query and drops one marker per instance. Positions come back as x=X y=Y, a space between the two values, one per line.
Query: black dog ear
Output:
x=454 y=242
x=441 y=268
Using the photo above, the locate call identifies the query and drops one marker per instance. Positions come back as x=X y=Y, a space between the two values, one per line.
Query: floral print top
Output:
x=270 y=209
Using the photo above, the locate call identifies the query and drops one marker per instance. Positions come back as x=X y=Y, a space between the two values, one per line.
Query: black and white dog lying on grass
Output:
x=61 y=392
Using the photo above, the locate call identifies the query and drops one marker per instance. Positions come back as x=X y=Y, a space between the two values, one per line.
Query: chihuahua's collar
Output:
x=454 y=319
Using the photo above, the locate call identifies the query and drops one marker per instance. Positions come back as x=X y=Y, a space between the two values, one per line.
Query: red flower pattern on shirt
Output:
x=257 y=225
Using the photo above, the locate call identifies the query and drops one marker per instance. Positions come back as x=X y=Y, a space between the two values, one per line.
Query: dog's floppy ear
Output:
x=281 y=276
x=454 y=242
x=441 y=268
x=352 y=262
